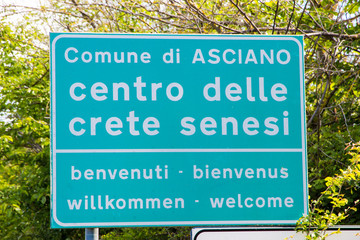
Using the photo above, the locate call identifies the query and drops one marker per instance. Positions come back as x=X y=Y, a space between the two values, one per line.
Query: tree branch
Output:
x=276 y=12
x=319 y=103
x=246 y=17
x=85 y=16
x=292 y=14
x=302 y=14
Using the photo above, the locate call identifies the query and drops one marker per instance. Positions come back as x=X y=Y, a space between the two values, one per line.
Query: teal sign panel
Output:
x=171 y=130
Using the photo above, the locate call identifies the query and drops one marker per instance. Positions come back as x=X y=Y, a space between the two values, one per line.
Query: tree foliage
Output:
x=332 y=57
x=338 y=194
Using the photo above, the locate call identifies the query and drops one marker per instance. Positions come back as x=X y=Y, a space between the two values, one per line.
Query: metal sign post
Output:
x=91 y=233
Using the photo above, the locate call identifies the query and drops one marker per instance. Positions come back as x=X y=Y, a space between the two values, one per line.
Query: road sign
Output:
x=271 y=233
x=152 y=130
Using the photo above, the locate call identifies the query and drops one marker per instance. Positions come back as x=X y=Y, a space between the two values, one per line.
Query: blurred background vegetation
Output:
x=332 y=55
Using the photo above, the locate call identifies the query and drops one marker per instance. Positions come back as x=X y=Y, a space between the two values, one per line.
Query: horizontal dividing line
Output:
x=178 y=150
